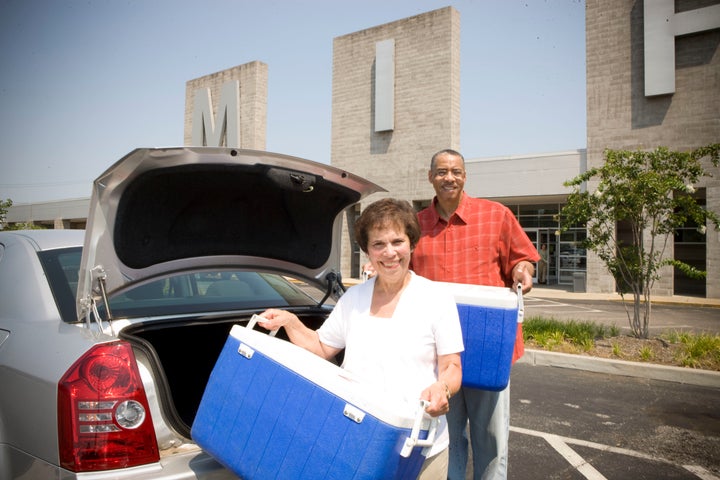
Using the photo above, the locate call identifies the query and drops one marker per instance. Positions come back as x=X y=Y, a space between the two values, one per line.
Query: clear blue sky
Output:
x=83 y=82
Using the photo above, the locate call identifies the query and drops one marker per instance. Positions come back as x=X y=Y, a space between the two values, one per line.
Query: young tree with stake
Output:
x=651 y=193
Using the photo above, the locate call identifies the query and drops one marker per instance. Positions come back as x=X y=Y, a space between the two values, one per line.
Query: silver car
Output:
x=108 y=336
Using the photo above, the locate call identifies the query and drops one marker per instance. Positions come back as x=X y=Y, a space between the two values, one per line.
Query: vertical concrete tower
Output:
x=395 y=102
x=228 y=108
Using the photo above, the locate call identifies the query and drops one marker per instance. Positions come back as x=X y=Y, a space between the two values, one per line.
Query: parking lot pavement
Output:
x=567 y=458
x=575 y=417
x=568 y=424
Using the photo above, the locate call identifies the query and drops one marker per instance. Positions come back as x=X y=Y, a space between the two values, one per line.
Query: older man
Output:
x=475 y=241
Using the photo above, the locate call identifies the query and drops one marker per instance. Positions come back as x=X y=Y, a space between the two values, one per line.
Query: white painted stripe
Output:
x=572 y=457
x=596 y=446
x=560 y=444
x=700 y=472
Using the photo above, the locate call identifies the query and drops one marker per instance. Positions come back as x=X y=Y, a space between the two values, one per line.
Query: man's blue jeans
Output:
x=486 y=415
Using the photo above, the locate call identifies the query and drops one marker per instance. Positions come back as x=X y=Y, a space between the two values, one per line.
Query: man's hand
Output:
x=368 y=271
x=522 y=273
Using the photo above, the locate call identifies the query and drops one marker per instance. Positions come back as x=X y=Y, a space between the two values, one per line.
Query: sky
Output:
x=82 y=83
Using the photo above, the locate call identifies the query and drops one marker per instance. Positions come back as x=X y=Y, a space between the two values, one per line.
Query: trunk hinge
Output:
x=98 y=275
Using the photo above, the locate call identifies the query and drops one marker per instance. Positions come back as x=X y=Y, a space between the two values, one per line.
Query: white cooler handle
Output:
x=254 y=319
x=413 y=441
x=521 y=304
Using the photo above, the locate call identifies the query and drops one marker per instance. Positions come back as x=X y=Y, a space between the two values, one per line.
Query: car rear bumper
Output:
x=192 y=465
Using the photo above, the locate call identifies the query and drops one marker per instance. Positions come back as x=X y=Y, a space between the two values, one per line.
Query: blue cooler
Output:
x=272 y=410
x=489 y=318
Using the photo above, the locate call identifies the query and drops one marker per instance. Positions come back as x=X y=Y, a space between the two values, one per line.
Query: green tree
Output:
x=651 y=193
x=4 y=207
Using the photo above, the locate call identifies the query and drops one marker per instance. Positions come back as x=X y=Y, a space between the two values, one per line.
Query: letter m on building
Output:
x=222 y=130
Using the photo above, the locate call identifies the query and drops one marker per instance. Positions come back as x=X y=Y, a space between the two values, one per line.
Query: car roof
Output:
x=48 y=239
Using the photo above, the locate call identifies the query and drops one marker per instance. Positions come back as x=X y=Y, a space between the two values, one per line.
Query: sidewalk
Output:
x=621 y=367
x=566 y=292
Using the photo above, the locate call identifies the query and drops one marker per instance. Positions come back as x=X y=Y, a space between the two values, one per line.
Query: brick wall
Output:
x=427 y=105
x=619 y=116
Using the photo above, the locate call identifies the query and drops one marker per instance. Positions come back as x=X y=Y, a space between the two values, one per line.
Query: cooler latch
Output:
x=353 y=413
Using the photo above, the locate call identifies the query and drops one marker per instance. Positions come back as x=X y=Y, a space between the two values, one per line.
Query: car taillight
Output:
x=103 y=415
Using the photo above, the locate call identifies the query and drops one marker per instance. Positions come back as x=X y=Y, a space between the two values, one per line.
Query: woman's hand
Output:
x=438 y=397
x=448 y=383
x=274 y=318
x=298 y=333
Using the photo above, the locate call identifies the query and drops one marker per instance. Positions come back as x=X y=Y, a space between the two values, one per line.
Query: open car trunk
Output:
x=182 y=354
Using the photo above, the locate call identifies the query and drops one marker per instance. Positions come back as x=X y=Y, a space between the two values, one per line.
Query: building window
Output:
x=690 y=247
x=572 y=257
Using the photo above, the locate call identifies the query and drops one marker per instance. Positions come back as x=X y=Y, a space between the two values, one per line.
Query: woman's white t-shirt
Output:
x=396 y=355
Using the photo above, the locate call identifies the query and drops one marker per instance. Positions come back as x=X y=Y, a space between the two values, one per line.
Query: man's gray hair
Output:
x=446 y=151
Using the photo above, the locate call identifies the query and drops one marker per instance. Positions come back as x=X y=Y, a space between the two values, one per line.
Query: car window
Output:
x=61 y=268
x=208 y=291
x=213 y=292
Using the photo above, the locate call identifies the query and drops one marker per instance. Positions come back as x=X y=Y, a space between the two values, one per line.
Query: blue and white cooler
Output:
x=489 y=318
x=272 y=410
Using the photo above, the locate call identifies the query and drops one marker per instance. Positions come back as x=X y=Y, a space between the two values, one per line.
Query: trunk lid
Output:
x=164 y=211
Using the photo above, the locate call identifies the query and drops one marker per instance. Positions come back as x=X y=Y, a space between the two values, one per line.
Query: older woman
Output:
x=399 y=331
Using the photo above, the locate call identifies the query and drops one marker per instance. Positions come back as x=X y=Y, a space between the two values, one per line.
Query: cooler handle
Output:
x=413 y=441
x=521 y=304
x=254 y=319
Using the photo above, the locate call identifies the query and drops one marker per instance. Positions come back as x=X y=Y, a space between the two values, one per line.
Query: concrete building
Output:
x=228 y=108
x=61 y=214
x=420 y=106
x=653 y=79
x=629 y=46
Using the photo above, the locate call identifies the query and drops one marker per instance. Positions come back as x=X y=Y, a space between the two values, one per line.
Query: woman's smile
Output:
x=389 y=249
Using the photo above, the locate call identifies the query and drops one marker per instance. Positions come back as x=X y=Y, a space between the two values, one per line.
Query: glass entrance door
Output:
x=533 y=235
x=545 y=236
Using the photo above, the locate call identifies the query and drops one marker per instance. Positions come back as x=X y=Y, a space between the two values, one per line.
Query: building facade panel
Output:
x=621 y=116
x=427 y=105
x=426 y=100
x=532 y=175
x=62 y=214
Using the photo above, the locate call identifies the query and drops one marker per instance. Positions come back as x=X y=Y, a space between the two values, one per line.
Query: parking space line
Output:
x=559 y=443
x=700 y=472
x=573 y=458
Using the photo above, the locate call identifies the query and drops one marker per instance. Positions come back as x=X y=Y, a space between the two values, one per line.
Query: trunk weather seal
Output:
x=167 y=406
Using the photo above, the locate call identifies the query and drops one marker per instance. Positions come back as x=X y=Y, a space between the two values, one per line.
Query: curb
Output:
x=688 y=376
